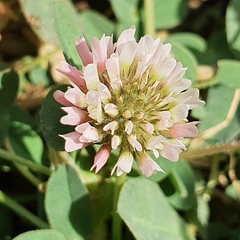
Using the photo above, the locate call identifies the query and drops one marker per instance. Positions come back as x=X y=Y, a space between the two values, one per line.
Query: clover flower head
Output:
x=130 y=96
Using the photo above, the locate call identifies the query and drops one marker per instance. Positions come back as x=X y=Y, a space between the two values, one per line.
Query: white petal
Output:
x=91 y=76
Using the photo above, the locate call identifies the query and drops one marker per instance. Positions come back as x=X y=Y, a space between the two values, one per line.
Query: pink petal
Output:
x=76 y=97
x=171 y=152
x=60 y=98
x=101 y=157
x=74 y=116
x=181 y=130
x=73 y=74
x=83 y=51
x=88 y=133
x=82 y=127
x=72 y=142
x=99 y=51
x=147 y=165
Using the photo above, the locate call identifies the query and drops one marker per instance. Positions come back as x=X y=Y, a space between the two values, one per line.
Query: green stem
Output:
x=116 y=220
x=21 y=211
x=28 y=175
x=22 y=169
x=33 y=166
x=149 y=17
x=212 y=181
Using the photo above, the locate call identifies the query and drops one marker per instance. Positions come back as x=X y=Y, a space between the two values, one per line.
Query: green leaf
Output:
x=41 y=235
x=216 y=109
x=69 y=28
x=23 y=139
x=25 y=142
x=39 y=75
x=95 y=25
x=190 y=40
x=187 y=59
x=233 y=26
x=50 y=118
x=218 y=48
x=169 y=14
x=228 y=73
x=125 y=8
x=147 y=213
x=179 y=186
x=39 y=14
x=68 y=204
x=8 y=89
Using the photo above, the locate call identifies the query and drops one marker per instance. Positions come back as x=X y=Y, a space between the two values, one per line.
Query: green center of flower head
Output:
x=130 y=115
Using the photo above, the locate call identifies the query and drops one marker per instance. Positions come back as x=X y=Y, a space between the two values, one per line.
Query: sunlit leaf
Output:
x=41 y=235
x=39 y=15
x=147 y=213
x=68 y=204
x=69 y=28
x=95 y=25
x=228 y=73
x=190 y=40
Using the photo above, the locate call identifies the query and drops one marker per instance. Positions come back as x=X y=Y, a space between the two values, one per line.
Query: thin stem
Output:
x=116 y=220
x=199 y=153
x=21 y=211
x=205 y=84
x=22 y=169
x=213 y=178
x=149 y=17
x=16 y=159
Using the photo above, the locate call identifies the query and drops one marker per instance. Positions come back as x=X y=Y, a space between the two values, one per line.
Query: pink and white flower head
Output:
x=131 y=96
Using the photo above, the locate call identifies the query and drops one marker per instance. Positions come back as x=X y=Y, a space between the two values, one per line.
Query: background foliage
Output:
x=48 y=194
